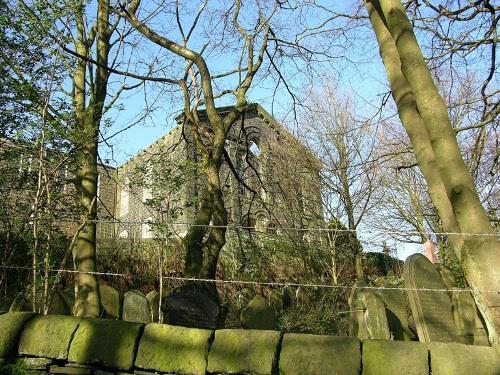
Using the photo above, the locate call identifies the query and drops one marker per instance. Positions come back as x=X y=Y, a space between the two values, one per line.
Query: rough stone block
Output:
x=385 y=357
x=173 y=349
x=454 y=358
x=110 y=343
x=319 y=355
x=68 y=370
x=11 y=325
x=48 y=336
x=243 y=351
x=35 y=363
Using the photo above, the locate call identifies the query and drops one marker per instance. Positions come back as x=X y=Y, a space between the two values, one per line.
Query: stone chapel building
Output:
x=270 y=181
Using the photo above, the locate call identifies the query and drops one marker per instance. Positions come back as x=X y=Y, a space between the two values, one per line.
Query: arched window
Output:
x=254 y=149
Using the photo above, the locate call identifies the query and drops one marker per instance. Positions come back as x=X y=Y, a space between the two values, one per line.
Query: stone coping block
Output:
x=173 y=349
x=106 y=342
x=11 y=326
x=58 y=330
x=319 y=355
x=236 y=351
x=454 y=358
x=384 y=357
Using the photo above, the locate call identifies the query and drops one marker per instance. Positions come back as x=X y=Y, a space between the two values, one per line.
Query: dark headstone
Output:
x=136 y=307
x=396 y=309
x=432 y=310
x=275 y=300
x=288 y=297
x=193 y=305
x=258 y=315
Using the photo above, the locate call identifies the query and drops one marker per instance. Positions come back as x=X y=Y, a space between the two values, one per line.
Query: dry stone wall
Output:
x=35 y=344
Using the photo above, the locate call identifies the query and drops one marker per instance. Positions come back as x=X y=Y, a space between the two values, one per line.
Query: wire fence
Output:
x=256 y=283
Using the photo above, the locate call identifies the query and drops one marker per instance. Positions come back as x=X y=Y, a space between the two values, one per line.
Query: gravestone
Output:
x=368 y=317
x=244 y=296
x=276 y=300
x=395 y=309
x=68 y=297
x=258 y=315
x=288 y=297
x=21 y=303
x=110 y=300
x=194 y=306
x=153 y=298
x=357 y=323
x=58 y=305
x=136 y=307
x=469 y=324
x=375 y=316
x=432 y=310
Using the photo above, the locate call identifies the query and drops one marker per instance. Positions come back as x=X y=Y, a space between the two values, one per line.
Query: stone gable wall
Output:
x=55 y=344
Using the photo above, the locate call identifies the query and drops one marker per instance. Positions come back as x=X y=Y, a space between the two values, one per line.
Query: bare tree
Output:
x=206 y=236
x=345 y=146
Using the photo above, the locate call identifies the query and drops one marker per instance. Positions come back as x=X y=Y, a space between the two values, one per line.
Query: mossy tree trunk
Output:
x=88 y=104
x=451 y=187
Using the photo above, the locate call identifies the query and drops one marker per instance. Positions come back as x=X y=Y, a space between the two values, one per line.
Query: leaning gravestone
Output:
x=368 y=314
x=258 y=315
x=136 y=307
x=110 y=300
x=469 y=324
x=395 y=309
x=432 y=310
x=193 y=305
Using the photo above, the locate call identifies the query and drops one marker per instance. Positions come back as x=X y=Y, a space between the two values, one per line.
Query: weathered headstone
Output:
x=153 y=298
x=193 y=305
x=68 y=297
x=276 y=300
x=136 y=307
x=432 y=309
x=58 y=305
x=396 y=309
x=244 y=296
x=110 y=301
x=288 y=297
x=258 y=315
x=20 y=303
x=470 y=326
x=357 y=323
x=375 y=316
x=368 y=316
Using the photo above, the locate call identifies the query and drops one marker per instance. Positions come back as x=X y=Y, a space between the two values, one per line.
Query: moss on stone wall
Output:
x=102 y=346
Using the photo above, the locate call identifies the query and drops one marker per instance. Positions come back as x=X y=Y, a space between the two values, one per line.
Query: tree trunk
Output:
x=451 y=187
x=87 y=122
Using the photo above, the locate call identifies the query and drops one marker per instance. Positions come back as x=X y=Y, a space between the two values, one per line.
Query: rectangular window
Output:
x=124 y=197
x=147 y=232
